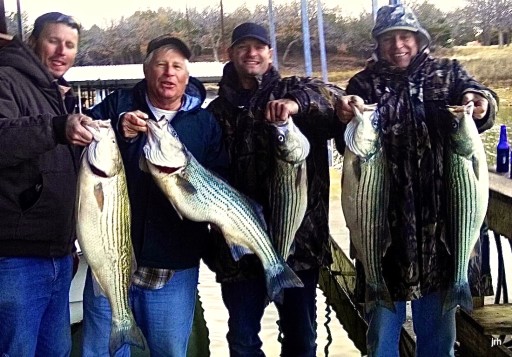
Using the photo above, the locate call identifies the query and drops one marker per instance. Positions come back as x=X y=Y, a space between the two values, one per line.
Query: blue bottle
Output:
x=502 y=151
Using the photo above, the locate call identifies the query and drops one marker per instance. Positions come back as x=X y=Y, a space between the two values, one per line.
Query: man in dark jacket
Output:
x=167 y=248
x=38 y=172
x=413 y=90
x=251 y=94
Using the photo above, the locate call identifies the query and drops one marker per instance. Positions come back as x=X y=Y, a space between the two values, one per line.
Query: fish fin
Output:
x=458 y=294
x=98 y=194
x=143 y=164
x=476 y=166
x=96 y=286
x=258 y=209
x=278 y=278
x=238 y=251
x=378 y=295
x=301 y=171
x=186 y=185
x=125 y=332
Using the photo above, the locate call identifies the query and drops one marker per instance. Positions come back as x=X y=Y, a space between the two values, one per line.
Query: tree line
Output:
x=208 y=30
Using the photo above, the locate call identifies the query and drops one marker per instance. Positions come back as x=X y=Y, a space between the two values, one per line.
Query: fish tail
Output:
x=285 y=278
x=378 y=295
x=128 y=333
x=458 y=294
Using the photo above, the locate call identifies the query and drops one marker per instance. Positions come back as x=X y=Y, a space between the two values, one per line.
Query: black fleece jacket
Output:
x=38 y=170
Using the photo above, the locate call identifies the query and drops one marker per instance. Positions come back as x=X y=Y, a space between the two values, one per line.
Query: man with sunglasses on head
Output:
x=39 y=153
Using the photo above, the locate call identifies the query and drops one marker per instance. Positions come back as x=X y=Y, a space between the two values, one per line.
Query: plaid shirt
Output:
x=151 y=278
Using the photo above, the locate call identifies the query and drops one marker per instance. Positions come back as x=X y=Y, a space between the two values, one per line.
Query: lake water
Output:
x=332 y=338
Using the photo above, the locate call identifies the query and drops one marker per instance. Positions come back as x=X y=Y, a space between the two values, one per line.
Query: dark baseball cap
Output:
x=171 y=41
x=250 y=30
x=55 y=18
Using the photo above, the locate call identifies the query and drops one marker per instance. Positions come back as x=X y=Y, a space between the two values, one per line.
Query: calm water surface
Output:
x=332 y=338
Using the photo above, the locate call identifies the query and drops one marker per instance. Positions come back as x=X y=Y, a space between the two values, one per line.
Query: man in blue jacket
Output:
x=167 y=248
x=38 y=174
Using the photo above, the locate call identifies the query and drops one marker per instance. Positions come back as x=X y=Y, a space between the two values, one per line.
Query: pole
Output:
x=3 y=21
x=321 y=39
x=375 y=8
x=20 y=25
x=306 y=38
x=272 y=28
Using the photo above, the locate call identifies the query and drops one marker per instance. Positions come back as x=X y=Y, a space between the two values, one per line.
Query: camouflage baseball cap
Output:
x=399 y=17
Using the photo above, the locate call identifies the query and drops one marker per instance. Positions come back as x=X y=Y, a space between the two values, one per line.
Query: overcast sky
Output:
x=102 y=12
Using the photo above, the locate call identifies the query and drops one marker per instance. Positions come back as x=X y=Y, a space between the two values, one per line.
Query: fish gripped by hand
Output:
x=467 y=190
x=199 y=195
x=365 y=200
x=103 y=229
x=288 y=191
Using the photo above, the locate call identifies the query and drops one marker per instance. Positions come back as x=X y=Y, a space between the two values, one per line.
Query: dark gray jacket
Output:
x=38 y=170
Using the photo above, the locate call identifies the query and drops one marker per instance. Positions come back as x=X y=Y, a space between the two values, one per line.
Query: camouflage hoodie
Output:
x=241 y=116
x=414 y=121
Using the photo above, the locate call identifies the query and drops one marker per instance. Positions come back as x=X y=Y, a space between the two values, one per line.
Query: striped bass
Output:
x=199 y=195
x=364 y=200
x=103 y=229
x=288 y=185
x=467 y=190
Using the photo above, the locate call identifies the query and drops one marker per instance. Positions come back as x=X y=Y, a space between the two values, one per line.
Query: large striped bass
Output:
x=364 y=199
x=103 y=229
x=199 y=195
x=288 y=185
x=467 y=190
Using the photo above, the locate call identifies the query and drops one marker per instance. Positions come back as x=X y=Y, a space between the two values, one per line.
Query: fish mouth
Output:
x=168 y=170
x=98 y=172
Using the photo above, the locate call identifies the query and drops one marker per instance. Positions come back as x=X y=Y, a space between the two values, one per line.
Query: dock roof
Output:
x=129 y=74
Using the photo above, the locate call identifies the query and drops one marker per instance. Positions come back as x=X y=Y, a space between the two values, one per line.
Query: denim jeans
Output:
x=34 y=306
x=164 y=315
x=435 y=332
x=245 y=302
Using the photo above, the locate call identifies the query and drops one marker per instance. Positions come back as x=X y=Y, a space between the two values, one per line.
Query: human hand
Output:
x=344 y=107
x=133 y=123
x=280 y=110
x=481 y=104
x=76 y=133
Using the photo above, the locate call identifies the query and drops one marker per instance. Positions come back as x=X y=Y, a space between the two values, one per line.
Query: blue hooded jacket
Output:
x=161 y=239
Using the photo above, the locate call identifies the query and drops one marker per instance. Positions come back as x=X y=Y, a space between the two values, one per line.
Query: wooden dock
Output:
x=477 y=333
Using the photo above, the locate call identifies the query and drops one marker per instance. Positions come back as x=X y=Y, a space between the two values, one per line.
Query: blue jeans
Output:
x=245 y=302
x=34 y=306
x=435 y=333
x=164 y=315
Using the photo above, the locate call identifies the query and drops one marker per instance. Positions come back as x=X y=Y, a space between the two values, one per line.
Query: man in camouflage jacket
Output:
x=413 y=89
x=251 y=94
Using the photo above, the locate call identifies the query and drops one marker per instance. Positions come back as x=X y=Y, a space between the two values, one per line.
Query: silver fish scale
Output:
x=463 y=199
x=467 y=189
x=364 y=199
x=229 y=208
x=288 y=201
x=103 y=232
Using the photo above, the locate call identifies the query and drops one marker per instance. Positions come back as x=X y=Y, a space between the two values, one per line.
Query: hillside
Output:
x=490 y=65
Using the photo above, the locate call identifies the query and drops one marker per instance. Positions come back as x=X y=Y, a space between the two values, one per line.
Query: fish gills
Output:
x=103 y=229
